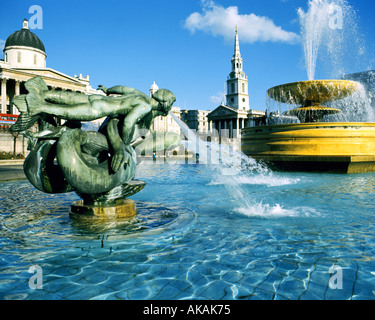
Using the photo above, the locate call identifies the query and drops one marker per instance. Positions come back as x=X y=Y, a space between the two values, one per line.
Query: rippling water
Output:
x=274 y=236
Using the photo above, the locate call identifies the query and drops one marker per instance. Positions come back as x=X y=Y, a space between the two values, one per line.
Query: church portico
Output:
x=228 y=119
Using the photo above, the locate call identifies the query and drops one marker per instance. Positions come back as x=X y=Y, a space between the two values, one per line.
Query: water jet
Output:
x=314 y=144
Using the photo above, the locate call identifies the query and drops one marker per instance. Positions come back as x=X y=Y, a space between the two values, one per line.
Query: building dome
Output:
x=154 y=87
x=24 y=38
x=23 y=49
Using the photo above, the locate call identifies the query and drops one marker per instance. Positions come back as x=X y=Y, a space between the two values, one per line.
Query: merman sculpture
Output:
x=99 y=166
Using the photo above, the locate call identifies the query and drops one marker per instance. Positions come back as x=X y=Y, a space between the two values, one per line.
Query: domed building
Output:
x=154 y=87
x=23 y=48
x=24 y=58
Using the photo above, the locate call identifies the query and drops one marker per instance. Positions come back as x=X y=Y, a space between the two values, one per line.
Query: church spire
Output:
x=237 y=60
x=237 y=53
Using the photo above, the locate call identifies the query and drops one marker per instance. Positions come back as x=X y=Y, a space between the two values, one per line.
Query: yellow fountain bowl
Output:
x=314 y=91
x=323 y=109
x=321 y=143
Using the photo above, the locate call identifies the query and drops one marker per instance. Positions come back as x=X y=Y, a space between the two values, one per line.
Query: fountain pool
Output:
x=197 y=242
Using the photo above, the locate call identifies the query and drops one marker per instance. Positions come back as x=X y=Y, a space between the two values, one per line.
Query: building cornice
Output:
x=25 y=48
x=24 y=74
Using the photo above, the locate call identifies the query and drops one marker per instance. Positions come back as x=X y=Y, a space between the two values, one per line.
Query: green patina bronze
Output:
x=97 y=165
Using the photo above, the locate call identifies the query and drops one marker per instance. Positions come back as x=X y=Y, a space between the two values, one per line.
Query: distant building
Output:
x=24 y=58
x=196 y=119
x=165 y=124
x=236 y=113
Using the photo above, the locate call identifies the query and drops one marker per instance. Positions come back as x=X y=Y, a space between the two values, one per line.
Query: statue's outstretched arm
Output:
x=123 y=90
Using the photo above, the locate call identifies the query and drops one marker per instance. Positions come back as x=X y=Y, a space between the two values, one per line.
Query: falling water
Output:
x=331 y=38
x=355 y=108
x=329 y=30
x=235 y=170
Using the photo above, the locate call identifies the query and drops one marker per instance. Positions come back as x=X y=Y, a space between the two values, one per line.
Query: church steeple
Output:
x=237 y=59
x=237 y=84
x=236 y=46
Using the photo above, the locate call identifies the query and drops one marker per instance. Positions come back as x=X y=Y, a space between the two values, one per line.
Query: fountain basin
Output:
x=310 y=95
x=337 y=147
x=313 y=91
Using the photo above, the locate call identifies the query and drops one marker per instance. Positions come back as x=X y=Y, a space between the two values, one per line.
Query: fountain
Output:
x=267 y=238
x=313 y=143
x=99 y=166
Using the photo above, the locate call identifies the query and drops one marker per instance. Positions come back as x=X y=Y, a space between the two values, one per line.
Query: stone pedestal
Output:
x=122 y=209
x=108 y=206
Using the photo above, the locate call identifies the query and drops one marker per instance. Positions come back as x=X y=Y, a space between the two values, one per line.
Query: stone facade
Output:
x=196 y=119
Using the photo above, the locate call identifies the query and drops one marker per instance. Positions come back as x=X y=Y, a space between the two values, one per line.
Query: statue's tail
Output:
x=34 y=100
x=36 y=85
x=27 y=104
x=24 y=120
x=20 y=103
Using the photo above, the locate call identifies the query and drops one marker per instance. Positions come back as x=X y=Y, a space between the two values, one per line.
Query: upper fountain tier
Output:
x=311 y=94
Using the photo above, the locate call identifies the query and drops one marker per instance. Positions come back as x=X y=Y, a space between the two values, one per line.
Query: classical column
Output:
x=17 y=87
x=238 y=127
x=231 y=129
x=17 y=90
x=3 y=95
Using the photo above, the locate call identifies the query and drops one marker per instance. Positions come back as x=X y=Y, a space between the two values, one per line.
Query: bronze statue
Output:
x=96 y=165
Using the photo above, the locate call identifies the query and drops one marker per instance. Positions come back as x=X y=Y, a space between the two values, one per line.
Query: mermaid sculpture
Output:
x=98 y=165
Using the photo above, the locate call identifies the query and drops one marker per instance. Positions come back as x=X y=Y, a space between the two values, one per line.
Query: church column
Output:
x=231 y=128
x=225 y=129
x=238 y=127
x=3 y=95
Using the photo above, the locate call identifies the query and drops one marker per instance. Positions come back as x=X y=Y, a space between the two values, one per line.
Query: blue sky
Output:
x=185 y=45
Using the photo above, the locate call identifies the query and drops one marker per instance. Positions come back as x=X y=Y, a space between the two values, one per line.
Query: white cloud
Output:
x=2 y=43
x=220 y=21
x=219 y=98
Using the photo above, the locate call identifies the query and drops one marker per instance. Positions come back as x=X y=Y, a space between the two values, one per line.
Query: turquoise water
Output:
x=199 y=234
